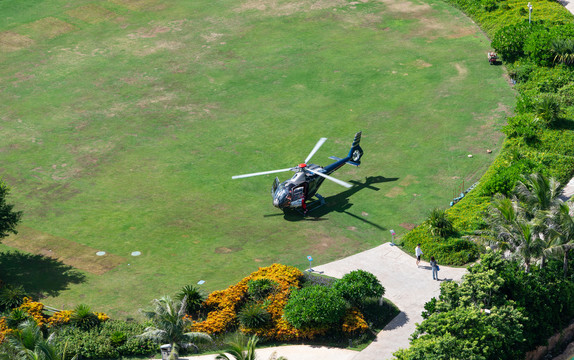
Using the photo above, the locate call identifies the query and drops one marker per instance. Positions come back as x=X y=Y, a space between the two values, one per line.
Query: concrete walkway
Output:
x=409 y=287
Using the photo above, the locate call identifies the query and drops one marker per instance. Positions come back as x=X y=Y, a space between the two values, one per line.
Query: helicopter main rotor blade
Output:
x=340 y=182
x=261 y=173
x=317 y=146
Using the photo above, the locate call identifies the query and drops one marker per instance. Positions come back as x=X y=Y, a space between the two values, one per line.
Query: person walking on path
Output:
x=418 y=253
x=434 y=267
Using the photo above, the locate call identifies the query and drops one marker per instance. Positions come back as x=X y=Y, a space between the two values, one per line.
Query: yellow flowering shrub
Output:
x=4 y=329
x=102 y=316
x=59 y=318
x=35 y=309
x=226 y=303
x=354 y=322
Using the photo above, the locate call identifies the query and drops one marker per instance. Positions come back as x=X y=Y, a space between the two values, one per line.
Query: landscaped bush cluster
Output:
x=540 y=136
x=452 y=250
x=272 y=303
x=91 y=335
x=109 y=340
x=497 y=312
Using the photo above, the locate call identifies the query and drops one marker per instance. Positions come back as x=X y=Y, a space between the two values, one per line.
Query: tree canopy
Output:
x=8 y=217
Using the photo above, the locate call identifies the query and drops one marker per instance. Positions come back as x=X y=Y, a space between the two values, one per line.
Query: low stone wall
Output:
x=565 y=336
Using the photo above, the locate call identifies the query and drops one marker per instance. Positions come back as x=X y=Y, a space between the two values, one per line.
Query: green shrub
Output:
x=11 y=297
x=260 y=289
x=105 y=341
x=545 y=80
x=548 y=108
x=83 y=317
x=451 y=251
x=118 y=338
x=310 y=279
x=194 y=298
x=468 y=214
x=254 y=316
x=566 y=94
x=359 y=285
x=314 y=307
x=16 y=317
x=439 y=224
x=509 y=41
x=524 y=126
x=378 y=313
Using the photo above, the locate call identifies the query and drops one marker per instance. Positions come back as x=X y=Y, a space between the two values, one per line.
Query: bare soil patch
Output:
x=395 y=191
x=69 y=252
x=408 y=226
x=227 y=250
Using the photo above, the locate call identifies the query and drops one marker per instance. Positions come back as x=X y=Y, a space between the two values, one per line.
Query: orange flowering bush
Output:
x=354 y=322
x=35 y=309
x=4 y=329
x=226 y=303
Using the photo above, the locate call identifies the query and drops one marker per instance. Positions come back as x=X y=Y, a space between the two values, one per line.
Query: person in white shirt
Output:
x=418 y=253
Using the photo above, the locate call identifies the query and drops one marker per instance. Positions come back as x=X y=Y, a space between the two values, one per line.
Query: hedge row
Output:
x=540 y=137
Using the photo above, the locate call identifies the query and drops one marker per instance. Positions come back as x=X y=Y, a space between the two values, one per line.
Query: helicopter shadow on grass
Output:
x=340 y=202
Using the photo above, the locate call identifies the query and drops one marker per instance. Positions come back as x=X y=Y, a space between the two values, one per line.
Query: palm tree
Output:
x=564 y=50
x=169 y=325
x=194 y=299
x=537 y=193
x=562 y=235
x=538 y=197
x=528 y=243
x=242 y=349
x=29 y=343
x=508 y=220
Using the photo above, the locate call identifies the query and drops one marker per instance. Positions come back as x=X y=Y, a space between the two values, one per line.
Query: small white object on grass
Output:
x=469 y=155
x=136 y=253
x=99 y=253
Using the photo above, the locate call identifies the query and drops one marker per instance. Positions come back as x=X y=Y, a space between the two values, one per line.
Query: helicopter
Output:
x=293 y=193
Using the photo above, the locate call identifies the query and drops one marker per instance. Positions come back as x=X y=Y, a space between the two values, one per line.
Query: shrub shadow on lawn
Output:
x=40 y=276
x=340 y=202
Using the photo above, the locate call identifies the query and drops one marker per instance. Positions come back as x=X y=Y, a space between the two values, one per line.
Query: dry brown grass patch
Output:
x=48 y=28
x=92 y=13
x=288 y=7
x=70 y=253
x=139 y=5
x=11 y=41
x=395 y=191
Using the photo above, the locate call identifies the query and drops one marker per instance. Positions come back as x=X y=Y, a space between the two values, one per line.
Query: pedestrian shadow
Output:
x=400 y=320
x=424 y=267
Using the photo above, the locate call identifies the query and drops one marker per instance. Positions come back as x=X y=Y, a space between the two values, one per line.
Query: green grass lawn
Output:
x=123 y=121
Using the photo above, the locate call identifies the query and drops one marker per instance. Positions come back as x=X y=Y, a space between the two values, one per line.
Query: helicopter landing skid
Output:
x=314 y=205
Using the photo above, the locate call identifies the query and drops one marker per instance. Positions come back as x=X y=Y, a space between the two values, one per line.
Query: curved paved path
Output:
x=406 y=285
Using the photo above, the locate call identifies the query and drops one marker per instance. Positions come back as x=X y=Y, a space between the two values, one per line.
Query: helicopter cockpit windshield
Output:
x=282 y=196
